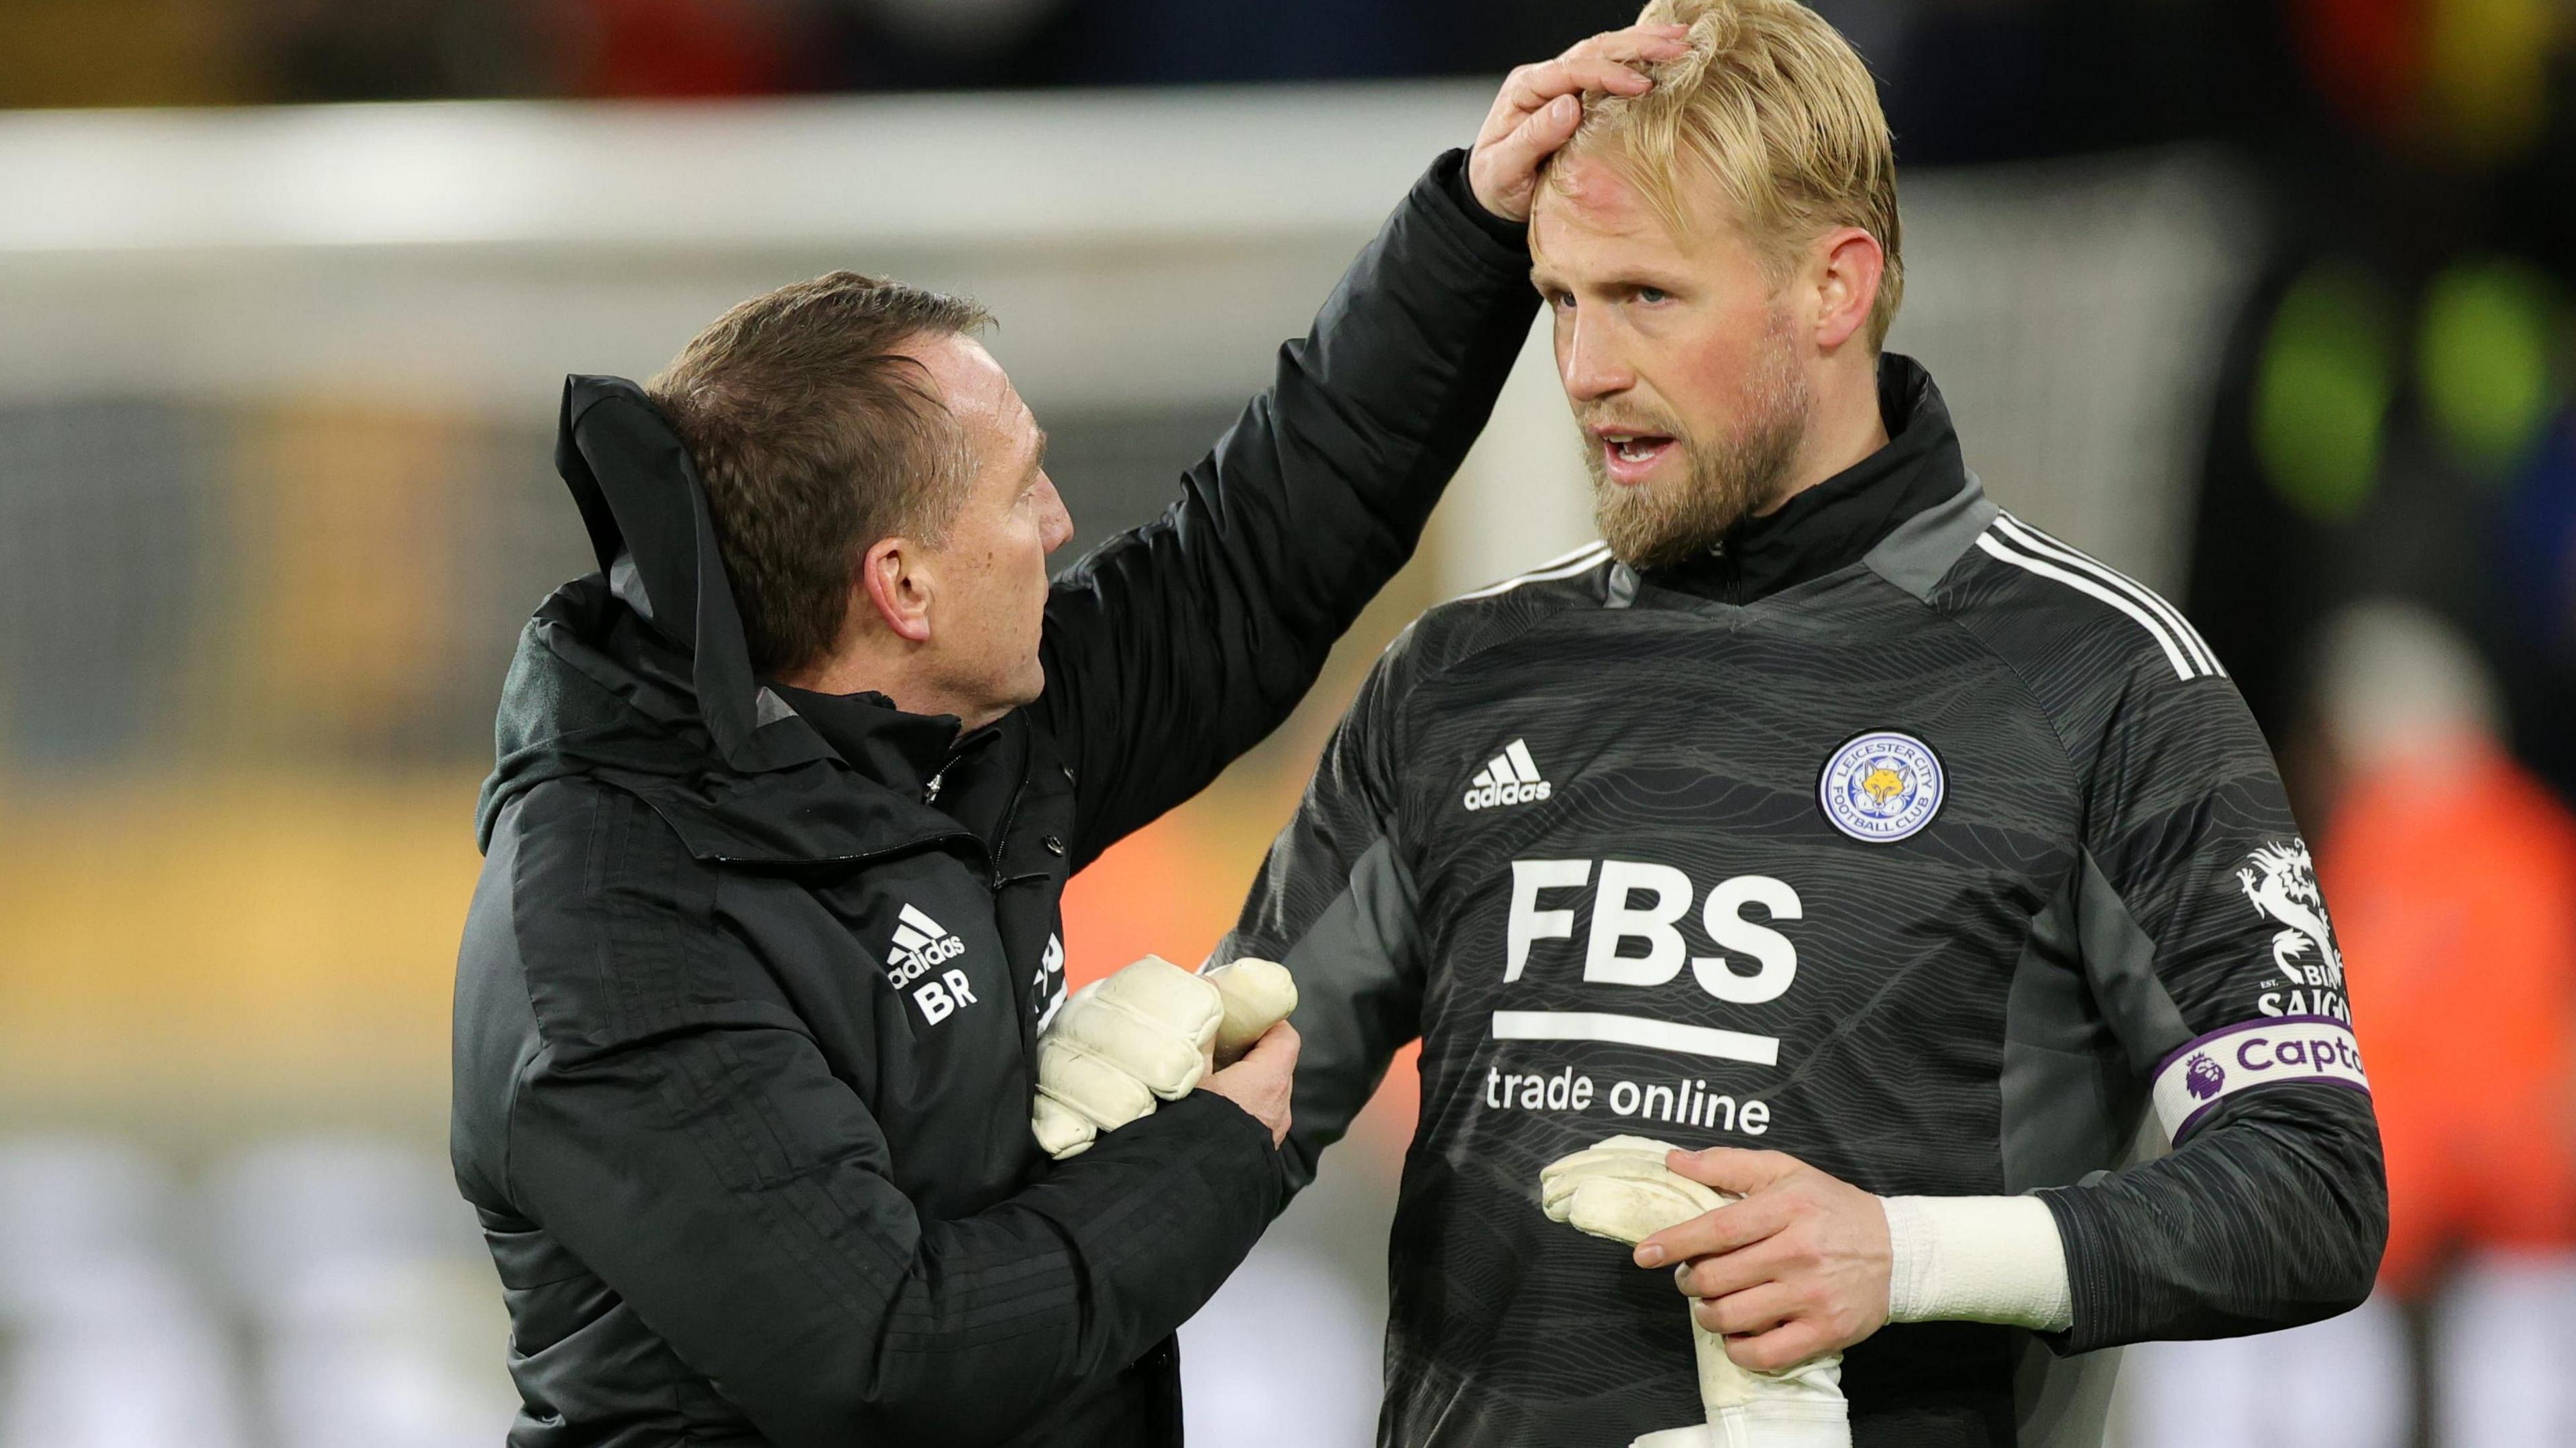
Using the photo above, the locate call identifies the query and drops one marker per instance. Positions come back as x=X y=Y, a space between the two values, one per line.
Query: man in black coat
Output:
x=787 y=796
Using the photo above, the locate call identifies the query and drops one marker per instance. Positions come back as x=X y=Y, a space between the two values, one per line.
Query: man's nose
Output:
x=1590 y=366
x=1057 y=530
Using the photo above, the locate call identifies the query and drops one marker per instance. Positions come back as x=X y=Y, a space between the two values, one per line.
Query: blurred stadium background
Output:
x=2264 y=300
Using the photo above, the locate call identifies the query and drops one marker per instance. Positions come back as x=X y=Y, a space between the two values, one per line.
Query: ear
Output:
x=1847 y=263
x=898 y=586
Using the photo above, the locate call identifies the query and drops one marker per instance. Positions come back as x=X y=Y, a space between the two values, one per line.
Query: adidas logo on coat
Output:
x=1512 y=778
x=920 y=943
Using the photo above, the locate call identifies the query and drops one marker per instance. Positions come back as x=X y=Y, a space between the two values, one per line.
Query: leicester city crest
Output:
x=1881 y=787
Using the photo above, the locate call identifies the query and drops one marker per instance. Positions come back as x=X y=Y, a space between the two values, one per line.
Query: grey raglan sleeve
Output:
x=1335 y=905
x=2207 y=943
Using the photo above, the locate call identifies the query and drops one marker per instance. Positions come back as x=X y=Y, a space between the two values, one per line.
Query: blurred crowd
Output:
x=1965 y=80
x=306 y=1293
x=2386 y=555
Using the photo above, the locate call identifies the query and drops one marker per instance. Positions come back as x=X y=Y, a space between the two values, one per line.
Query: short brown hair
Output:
x=816 y=438
x=1773 y=105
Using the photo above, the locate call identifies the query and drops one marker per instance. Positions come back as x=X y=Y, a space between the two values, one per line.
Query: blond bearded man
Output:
x=1923 y=879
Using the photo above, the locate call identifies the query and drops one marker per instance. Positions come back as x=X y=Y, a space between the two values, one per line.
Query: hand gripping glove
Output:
x=1153 y=1030
x=1622 y=1190
x=1258 y=994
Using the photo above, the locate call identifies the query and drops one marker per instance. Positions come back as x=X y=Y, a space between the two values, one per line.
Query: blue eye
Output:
x=1651 y=295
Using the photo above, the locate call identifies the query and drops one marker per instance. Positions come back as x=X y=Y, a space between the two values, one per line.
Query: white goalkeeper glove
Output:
x=1151 y=1031
x=1622 y=1190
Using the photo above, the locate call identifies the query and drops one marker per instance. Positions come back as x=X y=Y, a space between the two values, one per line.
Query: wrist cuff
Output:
x=1762 y=1425
x=1453 y=168
x=1977 y=1259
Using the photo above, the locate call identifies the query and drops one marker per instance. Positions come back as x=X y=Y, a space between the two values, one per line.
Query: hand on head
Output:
x=1541 y=105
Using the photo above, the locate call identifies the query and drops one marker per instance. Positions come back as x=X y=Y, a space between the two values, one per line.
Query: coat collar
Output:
x=1835 y=523
x=639 y=675
x=903 y=752
x=646 y=511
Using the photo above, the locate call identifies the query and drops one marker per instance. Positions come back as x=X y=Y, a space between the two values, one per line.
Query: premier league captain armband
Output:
x=2266 y=1052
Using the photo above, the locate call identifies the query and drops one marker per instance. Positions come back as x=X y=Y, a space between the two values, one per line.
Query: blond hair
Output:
x=1773 y=105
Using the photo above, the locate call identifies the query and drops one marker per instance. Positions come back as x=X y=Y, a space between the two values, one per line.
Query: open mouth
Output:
x=1630 y=456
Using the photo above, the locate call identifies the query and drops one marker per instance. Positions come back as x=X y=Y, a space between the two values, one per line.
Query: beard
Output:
x=1656 y=525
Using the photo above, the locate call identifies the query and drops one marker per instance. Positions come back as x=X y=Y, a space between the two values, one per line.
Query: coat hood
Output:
x=639 y=675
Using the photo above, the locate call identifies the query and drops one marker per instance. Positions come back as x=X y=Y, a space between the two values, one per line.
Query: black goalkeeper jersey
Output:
x=1895 y=835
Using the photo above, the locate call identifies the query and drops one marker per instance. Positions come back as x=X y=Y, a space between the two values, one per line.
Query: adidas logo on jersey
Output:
x=1512 y=778
x=920 y=943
